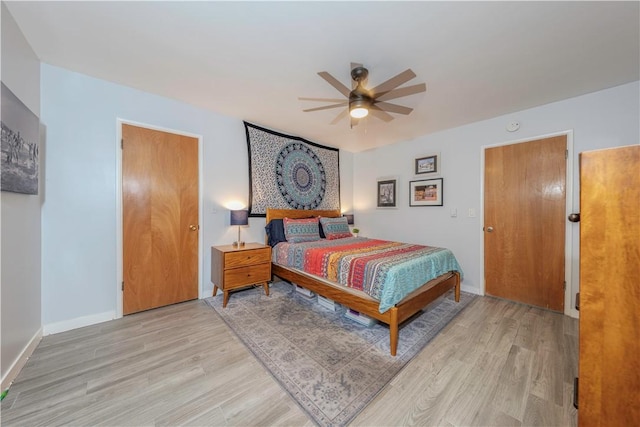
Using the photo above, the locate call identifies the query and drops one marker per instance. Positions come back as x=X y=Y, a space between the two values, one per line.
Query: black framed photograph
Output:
x=387 y=193
x=426 y=192
x=428 y=165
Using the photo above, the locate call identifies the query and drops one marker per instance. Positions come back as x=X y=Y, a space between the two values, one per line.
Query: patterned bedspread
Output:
x=388 y=271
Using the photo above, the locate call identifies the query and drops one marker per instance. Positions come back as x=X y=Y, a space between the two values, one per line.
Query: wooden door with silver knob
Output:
x=525 y=219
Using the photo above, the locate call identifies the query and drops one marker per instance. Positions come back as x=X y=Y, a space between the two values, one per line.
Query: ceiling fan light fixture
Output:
x=359 y=112
x=359 y=108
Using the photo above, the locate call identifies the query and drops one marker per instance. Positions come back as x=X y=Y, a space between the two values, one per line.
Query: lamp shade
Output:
x=240 y=217
x=349 y=219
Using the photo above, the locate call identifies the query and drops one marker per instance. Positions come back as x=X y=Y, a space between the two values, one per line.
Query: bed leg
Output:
x=457 y=286
x=393 y=331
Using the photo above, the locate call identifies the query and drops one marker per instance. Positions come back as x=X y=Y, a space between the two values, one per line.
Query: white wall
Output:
x=603 y=119
x=79 y=254
x=20 y=286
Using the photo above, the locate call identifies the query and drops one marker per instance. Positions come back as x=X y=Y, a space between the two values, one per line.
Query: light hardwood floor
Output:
x=497 y=363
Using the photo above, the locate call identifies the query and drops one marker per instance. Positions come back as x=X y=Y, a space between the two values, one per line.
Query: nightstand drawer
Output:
x=247 y=275
x=247 y=258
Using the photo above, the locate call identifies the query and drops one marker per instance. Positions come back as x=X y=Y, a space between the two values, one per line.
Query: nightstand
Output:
x=234 y=267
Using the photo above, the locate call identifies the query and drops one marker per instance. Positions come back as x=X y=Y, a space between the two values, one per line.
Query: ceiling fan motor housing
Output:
x=358 y=99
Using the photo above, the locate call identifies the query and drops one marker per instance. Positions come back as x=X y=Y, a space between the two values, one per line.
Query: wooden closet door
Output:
x=525 y=217
x=160 y=218
x=609 y=368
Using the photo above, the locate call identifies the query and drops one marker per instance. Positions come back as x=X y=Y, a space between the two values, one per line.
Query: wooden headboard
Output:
x=300 y=213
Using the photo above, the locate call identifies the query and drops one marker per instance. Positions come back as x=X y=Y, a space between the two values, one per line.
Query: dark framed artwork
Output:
x=289 y=172
x=387 y=193
x=426 y=192
x=428 y=165
x=20 y=145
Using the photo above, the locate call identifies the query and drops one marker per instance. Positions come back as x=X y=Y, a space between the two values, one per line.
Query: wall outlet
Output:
x=454 y=212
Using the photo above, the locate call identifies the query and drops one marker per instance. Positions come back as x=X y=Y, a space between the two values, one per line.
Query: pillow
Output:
x=335 y=228
x=275 y=232
x=301 y=230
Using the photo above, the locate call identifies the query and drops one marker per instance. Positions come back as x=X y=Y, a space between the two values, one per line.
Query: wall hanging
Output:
x=289 y=172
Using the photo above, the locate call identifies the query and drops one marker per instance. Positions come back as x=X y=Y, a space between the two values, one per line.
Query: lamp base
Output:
x=238 y=242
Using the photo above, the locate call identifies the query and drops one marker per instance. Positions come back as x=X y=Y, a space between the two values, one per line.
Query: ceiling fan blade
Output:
x=327 y=107
x=335 y=83
x=394 y=82
x=340 y=116
x=403 y=91
x=393 y=108
x=376 y=111
x=354 y=83
x=322 y=99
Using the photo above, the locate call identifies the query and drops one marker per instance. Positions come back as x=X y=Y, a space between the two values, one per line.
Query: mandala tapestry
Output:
x=288 y=172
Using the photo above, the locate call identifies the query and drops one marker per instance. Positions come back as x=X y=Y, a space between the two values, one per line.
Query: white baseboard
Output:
x=21 y=360
x=470 y=289
x=78 y=322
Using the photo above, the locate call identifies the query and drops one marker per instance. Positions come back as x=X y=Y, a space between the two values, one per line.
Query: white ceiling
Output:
x=252 y=60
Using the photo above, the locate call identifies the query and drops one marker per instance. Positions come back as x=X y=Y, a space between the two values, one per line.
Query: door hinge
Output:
x=564 y=286
x=566 y=154
x=122 y=144
x=123 y=286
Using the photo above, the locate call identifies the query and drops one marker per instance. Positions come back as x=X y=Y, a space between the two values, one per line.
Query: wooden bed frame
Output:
x=364 y=304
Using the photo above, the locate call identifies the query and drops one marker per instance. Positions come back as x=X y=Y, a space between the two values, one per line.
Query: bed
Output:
x=358 y=300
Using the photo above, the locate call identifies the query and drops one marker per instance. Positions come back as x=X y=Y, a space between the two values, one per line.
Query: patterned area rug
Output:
x=331 y=365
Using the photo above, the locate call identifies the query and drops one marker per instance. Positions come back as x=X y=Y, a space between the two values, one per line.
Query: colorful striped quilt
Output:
x=388 y=271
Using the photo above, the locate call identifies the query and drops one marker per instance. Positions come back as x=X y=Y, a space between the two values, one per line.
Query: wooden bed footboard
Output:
x=392 y=317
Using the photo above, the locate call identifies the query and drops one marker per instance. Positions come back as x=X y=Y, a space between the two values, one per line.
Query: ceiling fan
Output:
x=362 y=101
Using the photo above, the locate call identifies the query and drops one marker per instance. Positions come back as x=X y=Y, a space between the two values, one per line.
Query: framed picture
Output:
x=426 y=192
x=20 y=145
x=387 y=194
x=429 y=165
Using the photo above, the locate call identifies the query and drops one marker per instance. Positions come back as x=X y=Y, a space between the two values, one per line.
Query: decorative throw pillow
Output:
x=335 y=228
x=275 y=232
x=301 y=230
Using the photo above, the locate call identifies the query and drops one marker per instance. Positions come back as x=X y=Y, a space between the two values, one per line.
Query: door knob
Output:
x=489 y=229
x=574 y=217
x=193 y=227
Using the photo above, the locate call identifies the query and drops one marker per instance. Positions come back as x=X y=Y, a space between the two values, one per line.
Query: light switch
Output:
x=472 y=213
x=454 y=212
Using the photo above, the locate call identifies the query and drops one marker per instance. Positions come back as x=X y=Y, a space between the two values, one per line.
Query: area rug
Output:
x=331 y=365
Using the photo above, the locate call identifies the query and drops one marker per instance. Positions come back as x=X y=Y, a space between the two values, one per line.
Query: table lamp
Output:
x=239 y=218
